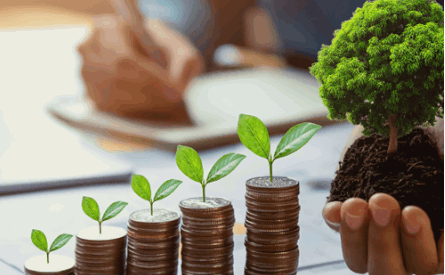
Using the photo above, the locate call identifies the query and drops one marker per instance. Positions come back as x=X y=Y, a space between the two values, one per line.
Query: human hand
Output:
x=121 y=78
x=376 y=236
x=380 y=238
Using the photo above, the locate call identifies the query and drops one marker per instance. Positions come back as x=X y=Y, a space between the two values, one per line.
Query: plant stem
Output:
x=270 y=170
x=151 y=208
x=392 y=148
x=100 y=227
x=47 y=257
x=203 y=192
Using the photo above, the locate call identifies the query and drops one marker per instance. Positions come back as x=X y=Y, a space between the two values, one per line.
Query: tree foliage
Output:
x=387 y=59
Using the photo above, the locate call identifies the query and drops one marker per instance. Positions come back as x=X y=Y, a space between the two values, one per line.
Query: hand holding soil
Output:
x=377 y=237
x=370 y=247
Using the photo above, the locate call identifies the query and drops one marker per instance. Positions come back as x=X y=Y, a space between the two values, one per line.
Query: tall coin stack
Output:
x=207 y=236
x=153 y=242
x=101 y=253
x=272 y=226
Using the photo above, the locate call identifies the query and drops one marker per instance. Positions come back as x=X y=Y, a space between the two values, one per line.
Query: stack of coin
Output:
x=153 y=242
x=272 y=226
x=101 y=253
x=207 y=236
x=58 y=265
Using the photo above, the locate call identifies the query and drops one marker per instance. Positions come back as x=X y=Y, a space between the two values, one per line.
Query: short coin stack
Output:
x=101 y=253
x=153 y=242
x=58 y=265
x=207 y=236
x=272 y=226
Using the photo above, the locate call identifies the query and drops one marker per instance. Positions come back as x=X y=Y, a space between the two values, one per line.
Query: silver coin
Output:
x=277 y=182
x=159 y=215
x=197 y=203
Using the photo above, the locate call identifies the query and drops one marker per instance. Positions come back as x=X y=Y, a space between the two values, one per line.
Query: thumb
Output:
x=331 y=214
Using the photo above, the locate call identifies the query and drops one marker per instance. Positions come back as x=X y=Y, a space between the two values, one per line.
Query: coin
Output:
x=153 y=242
x=211 y=204
x=100 y=252
x=207 y=236
x=272 y=226
x=58 y=265
x=277 y=183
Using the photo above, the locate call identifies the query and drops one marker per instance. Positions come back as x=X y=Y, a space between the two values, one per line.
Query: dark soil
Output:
x=414 y=175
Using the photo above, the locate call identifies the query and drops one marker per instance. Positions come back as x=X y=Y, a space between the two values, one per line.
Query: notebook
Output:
x=280 y=98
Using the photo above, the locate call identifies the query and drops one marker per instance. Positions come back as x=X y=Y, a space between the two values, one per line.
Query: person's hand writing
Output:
x=380 y=238
x=121 y=78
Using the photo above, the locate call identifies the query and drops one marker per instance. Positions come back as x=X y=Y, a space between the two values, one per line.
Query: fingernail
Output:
x=335 y=226
x=380 y=215
x=412 y=225
x=354 y=220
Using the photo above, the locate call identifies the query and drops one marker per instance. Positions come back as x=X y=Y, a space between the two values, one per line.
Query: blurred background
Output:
x=86 y=64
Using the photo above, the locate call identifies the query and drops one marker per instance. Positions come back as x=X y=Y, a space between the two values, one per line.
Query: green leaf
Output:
x=254 y=135
x=189 y=163
x=224 y=166
x=90 y=207
x=113 y=210
x=60 y=241
x=39 y=240
x=141 y=187
x=166 y=189
x=295 y=138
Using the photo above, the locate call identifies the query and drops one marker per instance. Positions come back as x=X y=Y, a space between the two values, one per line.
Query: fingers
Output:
x=331 y=214
x=419 y=246
x=384 y=249
x=354 y=232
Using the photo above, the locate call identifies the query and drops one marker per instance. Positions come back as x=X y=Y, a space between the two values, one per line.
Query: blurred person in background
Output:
x=122 y=78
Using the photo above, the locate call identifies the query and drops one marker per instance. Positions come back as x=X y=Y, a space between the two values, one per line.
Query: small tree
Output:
x=384 y=69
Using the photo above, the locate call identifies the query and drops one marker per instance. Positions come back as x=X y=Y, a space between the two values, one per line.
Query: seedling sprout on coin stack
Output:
x=142 y=188
x=254 y=135
x=40 y=241
x=91 y=209
x=190 y=164
x=207 y=227
x=101 y=251
x=41 y=265
x=153 y=235
x=272 y=202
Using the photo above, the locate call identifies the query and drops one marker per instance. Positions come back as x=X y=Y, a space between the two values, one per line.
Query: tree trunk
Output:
x=392 y=134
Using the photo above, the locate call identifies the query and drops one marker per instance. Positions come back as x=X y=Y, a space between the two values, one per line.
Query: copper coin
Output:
x=261 y=183
x=161 y=218
x=210 y=205
x=252 y=246
x=273 y=215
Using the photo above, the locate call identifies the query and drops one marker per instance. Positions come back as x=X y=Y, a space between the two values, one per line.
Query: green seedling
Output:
x=190 y=164
x=254 y=135
x=141 y=187
x=384 y=68
x=39 y=240
x=91 y=208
